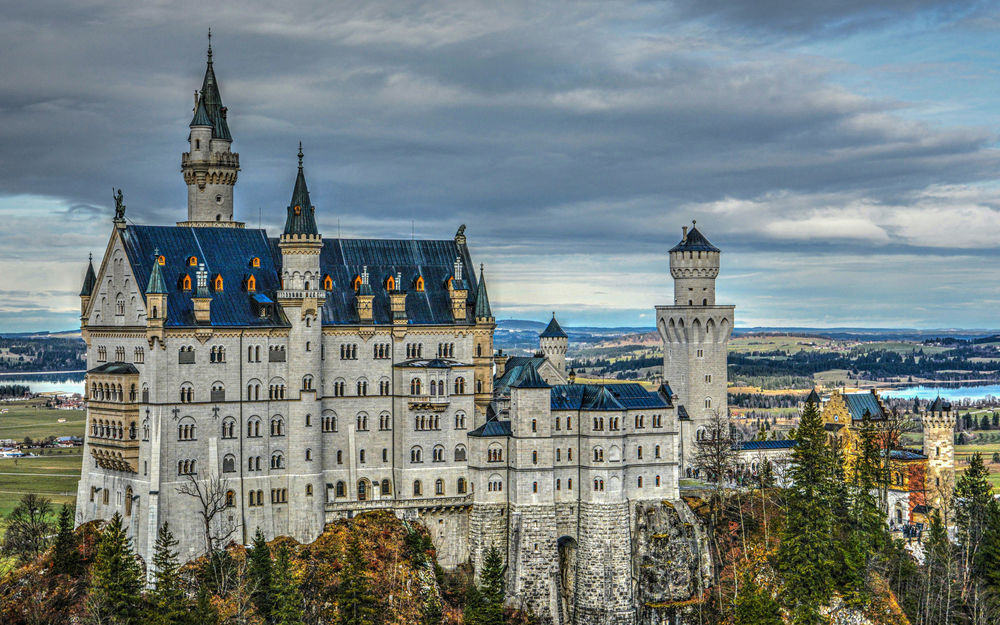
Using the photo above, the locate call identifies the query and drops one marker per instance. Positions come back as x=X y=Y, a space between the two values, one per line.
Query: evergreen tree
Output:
x=756 y=606
x=168 y=604
x=472 y=613
x=287 y=599
x=66 y=553
x=989 y=558
x=28 y=527
x=260 y=570
x=974 y=509
x=806 y=555
x=116 y=577
x=491 y=588
x=356 y=601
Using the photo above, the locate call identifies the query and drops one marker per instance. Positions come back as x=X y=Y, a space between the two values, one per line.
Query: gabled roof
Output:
x=89 y=280
x=859 y=403
x=906 y=454
x=514 y=370
x=115 y=367
x=492 y=428
x=604 y=398
x=483 y=309
x=762 y=445
x=694 y=242
x=301 y=214
x=530 y=379
x=224 y=251
x=431 y=363
x=553 y=330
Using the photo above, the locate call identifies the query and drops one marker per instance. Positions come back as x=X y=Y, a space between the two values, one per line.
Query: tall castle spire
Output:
x=301 y=217
x=210 y=168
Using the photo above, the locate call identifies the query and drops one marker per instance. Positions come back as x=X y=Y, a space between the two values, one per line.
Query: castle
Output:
x=238 y=381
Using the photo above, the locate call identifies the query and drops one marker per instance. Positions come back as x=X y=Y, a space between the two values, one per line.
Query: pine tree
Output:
x=491 y=588
x=974 y=508
x=287 y=606
x=260 y=569
x=756 y=606
x=806 y=555
x=472 y=613
x=66 y=553
x=116 y=578
x=989 y=558
x=168 y=604
x=356 y=601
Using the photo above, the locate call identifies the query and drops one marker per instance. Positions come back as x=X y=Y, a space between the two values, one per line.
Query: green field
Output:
x=53 y=474
x=963 y=452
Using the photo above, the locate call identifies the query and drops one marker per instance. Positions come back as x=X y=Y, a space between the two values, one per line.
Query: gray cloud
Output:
x=552 y=130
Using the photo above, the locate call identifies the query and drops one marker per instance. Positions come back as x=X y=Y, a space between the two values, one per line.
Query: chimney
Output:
x=397 y=301
x=684 y=234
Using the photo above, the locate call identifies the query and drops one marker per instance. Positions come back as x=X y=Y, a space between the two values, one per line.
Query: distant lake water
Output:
x=952 y=393
x=70 y=382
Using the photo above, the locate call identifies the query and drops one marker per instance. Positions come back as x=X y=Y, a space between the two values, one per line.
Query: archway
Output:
x=568 y=547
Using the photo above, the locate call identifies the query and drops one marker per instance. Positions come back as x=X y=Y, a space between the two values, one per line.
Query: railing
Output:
x=301 y=294
x=395 y=504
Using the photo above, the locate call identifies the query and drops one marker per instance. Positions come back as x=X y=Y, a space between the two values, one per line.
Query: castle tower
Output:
x=87 y=291
x=553 y=343
x=939 y=447
x=483 y=355
x=695 y=333
x=302 y=296
x=210 y=168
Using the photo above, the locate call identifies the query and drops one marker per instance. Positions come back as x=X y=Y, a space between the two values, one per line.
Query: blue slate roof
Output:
x=859 y=403
x=906 y=454
x=89 y=280
x=514 y=370
x=492 y=428
x=115 y=367
x=301 y=214
x=694 y=242
x=612 y=397
x=343 y=259
x=553 y=330
x=224 y=251
x=530 y=379
x=229 y=251
x=761 y=445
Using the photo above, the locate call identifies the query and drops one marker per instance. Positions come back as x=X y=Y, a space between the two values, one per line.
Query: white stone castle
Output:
x=286 y=382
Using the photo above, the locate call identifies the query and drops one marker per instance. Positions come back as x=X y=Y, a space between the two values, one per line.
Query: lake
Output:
x=952 y=393
x=68 y=382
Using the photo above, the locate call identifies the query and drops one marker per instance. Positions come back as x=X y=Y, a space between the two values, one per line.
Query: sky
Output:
x=843 y=154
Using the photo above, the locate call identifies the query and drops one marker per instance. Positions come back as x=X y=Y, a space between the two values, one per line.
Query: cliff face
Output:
x=672 y=563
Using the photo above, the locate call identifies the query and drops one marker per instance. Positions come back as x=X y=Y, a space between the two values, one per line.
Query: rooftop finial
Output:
x=694 y=222
x=209 y=44
x=90 y=257
x=300 y=155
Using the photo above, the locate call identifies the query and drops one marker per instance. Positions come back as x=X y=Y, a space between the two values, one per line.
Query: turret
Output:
x=300 y=241
x=484 y=314
x=89 y=281
x=156 y=301
x=210 y=168
x=694 y=265
x=553 y=344
x=939 y=447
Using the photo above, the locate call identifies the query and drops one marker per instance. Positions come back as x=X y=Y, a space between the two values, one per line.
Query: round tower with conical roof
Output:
x=553 y=343
x=210 y=167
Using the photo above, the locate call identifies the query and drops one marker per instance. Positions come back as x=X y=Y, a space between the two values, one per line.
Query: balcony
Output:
x=343 y=506
x=434 y=403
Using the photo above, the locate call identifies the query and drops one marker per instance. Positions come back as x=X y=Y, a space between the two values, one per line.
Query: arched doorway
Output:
x=567 y=546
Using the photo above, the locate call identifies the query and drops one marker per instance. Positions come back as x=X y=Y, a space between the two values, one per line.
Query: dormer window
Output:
x=298 y=209
x=193 y=261
x=449 y=282
x=420 y=284
x=251 y=284
x=390 y=284
x=327 y=283
x=186 y=282
x=255 y=262
x=357 y=283
x=218 y=282
x=161 y=259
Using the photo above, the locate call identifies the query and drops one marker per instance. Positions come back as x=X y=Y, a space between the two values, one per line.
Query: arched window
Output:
x=439 y=486
x=307 y=382
x=438 y=453
x=418 y=491
x=341 y=490
x=415 y=386
x=186 y=282
x=277 y=426
x=708 y=402
x=390 y=284
x=494 y=453
x=356 y=284
x=460 y=386
x=534 y=425
x=460 y=453
x=251 y=284
x=656 y=451
x=229 y=428
x=187 y=393
x=128 y=501
x=462 y=486
x=362 y=422
x=419 y=284
x=229 y=463
x=218 y=282
x=255 y=262
x=309 y=455
x=416 y=455
x=193 y=261
x=327 y=283
x=230 y=499
x=277 y=460
x=253 y=427
x=186 y=429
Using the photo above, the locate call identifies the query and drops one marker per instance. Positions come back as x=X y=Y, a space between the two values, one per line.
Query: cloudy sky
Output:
x=843 y=153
